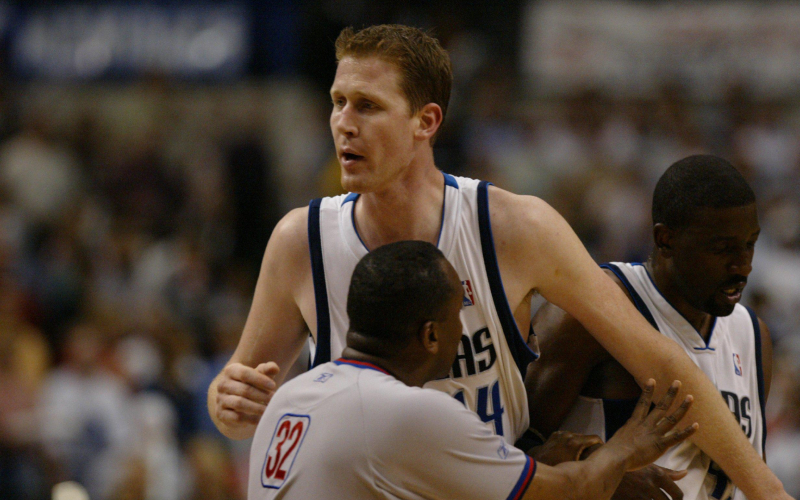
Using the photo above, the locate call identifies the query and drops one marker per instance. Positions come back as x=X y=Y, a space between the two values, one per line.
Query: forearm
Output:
x=593 y=479
x=649 y=354
x=720 y=436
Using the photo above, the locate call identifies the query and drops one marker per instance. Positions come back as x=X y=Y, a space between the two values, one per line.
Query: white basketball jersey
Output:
x=732 y=361
x=350 y=430
x=488 y=373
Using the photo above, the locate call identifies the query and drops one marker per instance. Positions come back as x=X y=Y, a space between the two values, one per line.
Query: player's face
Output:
x=713 y=257
x=450 y=327
x=371 y=122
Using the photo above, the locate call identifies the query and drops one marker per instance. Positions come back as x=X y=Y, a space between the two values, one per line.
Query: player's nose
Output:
x=742 y=263
x=344 y=121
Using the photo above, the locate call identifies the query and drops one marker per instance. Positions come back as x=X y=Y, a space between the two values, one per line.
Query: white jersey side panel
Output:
x=731 y=360
x=348 y=429
x=486 y=375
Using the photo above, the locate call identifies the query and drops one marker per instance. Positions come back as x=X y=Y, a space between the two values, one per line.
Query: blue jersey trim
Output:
x=520 y=351
x=451 y=181
x=364 y=365
x=713 y=325
x=524 y=480
x=722 y=484
x=355 y=228
x=760 y=374
x=710 y=334
x=637 y=300
x=323 y=353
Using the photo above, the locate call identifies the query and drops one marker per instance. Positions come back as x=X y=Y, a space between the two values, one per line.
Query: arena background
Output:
x=148 y=148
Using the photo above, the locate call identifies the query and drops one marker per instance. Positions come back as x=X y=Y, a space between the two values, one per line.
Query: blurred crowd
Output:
x=133 y=218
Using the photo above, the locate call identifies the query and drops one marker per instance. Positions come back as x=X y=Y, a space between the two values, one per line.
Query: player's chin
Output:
x=721 y=306
x=355 y=183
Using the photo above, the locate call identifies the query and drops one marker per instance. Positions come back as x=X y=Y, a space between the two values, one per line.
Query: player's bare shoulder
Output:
x=287 y=252
x=527 y=232
x=292 y=230
x=514 y=214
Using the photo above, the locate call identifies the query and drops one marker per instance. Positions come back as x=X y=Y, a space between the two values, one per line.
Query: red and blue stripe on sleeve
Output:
x=524 y=479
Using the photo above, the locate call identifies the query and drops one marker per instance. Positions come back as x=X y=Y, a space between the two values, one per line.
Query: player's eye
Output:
x=719 y=248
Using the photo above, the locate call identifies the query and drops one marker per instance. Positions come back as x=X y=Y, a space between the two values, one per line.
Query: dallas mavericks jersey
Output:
x=488 y=372
x=732 y=361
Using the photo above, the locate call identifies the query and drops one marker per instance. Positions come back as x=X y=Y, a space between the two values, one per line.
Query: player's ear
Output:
x=429 y=337
x=662 y=236
x=430 y=119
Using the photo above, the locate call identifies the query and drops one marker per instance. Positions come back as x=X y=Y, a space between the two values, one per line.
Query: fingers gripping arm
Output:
x=641 y=440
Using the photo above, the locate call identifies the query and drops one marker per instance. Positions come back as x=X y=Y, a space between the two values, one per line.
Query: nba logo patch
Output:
x=283 y=449
x=737 y=364
x=469 y=298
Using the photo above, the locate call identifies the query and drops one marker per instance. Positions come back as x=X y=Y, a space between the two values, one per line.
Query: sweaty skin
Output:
x=386 y=155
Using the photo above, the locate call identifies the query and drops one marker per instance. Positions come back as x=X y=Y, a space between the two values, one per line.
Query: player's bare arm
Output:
x=644 y=438
x=554 y=382
x=538 y=250
x=276 y=329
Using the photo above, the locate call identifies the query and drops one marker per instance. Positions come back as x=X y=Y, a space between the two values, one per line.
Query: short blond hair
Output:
x=426 y=74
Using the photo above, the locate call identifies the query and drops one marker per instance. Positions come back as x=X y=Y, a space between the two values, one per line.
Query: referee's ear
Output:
x=428 y=336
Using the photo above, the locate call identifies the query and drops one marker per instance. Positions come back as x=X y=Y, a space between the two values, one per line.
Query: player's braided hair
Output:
x=699 y=181
x=396 y=288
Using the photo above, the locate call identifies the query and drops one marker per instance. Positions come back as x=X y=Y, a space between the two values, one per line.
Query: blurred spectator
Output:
x=84 y=413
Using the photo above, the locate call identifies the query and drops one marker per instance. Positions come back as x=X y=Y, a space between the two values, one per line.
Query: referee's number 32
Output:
x=283 y=448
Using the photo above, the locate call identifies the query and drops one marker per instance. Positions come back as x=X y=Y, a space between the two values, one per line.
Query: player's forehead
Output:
x=365 y=74
x=709 y=223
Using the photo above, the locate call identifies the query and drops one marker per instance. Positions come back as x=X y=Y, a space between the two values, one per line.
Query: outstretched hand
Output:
x=243 y=393
x=647 y=434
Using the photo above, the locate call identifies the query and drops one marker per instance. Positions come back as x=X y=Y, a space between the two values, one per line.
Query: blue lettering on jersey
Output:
x=476 y=354
x=740 y=407
x=495 y=414
x=323 y=377
x=489 y=407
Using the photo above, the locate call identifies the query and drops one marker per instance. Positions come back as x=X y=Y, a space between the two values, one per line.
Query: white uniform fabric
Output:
x=732 y=361
x=488 y=373
x=350 y=430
